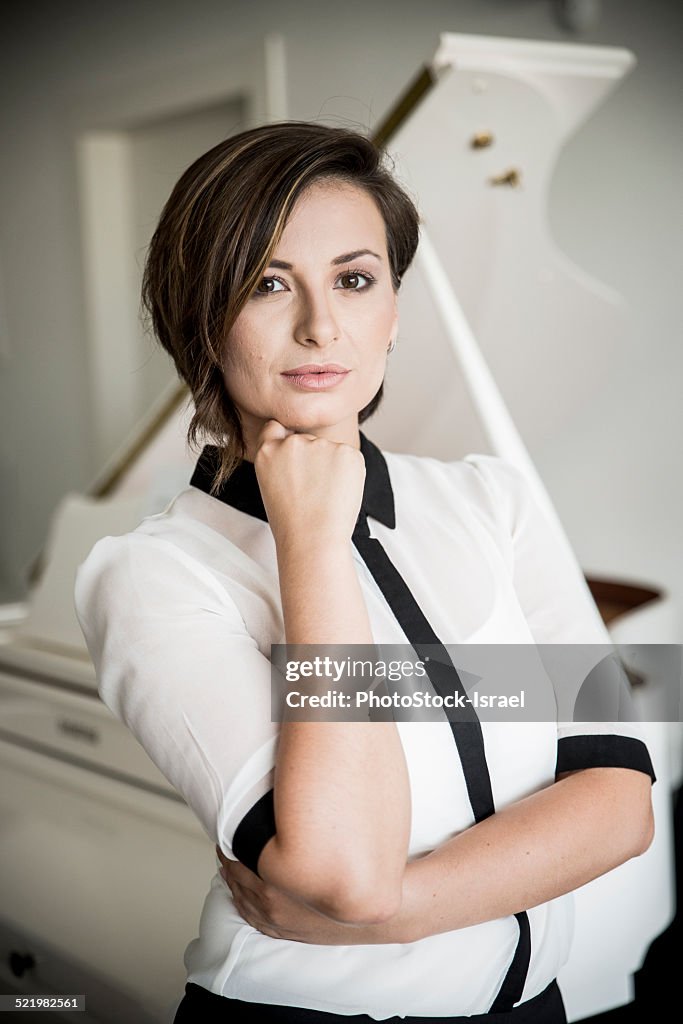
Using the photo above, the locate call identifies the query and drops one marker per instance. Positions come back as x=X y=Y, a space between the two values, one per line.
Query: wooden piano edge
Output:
x=615 y=598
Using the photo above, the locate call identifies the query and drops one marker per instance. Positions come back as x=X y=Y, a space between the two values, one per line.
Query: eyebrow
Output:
x=337 y=261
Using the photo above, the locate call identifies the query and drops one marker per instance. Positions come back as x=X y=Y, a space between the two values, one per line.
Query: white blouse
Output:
x=179 y=616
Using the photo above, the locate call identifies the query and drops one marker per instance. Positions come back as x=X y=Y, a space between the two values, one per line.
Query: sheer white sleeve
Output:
x=175 y=662
x=596 y=720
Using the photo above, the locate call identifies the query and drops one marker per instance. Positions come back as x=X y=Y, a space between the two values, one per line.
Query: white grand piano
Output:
x=103 y=869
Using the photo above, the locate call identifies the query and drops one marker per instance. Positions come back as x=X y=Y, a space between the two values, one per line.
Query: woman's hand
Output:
x=274 y=913
x=311 y=487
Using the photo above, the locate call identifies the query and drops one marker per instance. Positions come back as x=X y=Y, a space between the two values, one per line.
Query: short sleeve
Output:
x=176 y=664
x=566 y=624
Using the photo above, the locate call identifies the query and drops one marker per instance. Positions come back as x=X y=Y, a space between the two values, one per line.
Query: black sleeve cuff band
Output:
x=603 y=751
x=253 y=832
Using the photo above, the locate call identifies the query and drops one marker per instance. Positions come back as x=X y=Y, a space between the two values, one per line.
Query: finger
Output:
x=238 y=872
x=255 y=916
x=252 y=901
x=272 y=430
x=233 y=866
x=246 y=907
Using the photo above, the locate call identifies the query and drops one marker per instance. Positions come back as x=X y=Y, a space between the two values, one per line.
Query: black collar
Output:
x=241 y=490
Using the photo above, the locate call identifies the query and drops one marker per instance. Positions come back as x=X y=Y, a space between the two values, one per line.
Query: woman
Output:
x=387 y=870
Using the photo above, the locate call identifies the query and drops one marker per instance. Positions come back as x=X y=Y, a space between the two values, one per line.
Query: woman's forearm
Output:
x=534 y=850
x=342 y=798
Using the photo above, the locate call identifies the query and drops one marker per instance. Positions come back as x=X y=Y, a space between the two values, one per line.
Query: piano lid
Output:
x=502 y=336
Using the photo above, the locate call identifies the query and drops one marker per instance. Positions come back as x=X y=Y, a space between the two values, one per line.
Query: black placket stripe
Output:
x=444 y=678
x=467 y=734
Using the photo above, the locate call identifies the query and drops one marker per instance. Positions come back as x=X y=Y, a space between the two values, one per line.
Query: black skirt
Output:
x=199 y=1004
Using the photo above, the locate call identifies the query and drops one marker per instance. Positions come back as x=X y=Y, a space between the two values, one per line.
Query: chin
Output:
x=310 y=425
x=312 y=419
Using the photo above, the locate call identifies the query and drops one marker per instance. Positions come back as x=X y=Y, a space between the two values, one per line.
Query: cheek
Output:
x=383 y=328
x=243 y=356
x=369 y=321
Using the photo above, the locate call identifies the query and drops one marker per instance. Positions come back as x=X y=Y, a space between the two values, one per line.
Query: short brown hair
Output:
x=217 y=234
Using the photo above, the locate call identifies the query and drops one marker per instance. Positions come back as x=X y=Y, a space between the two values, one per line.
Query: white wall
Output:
x=614 y=208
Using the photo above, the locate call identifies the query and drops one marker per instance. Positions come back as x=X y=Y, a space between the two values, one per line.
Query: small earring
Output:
x=392 y=345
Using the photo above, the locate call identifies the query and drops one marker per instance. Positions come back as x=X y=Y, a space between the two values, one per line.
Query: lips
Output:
x=316 y=376
x=316 y=368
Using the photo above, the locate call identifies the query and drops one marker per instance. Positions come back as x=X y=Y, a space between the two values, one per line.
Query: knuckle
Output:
x=263 y=453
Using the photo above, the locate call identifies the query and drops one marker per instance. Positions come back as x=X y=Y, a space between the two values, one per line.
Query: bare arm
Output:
x=342 y=799
x=534 y=850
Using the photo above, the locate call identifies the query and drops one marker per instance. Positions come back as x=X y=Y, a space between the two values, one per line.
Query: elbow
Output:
x=625 y=813
x=638 y=819
x=349 y=906
x=350 y=897
x=647 y=833
x=345 y=893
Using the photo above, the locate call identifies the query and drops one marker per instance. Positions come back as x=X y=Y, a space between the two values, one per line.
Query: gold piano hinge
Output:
x=480 y=140
x=513 y=177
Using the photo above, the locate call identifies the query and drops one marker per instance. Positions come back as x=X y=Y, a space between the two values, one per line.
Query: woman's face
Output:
x=327 y=298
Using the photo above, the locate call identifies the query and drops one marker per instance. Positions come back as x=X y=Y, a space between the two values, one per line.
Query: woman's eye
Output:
x=260 y=290
x=354 y=277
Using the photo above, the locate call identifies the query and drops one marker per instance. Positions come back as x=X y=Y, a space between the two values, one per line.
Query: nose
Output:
x=316 y=322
